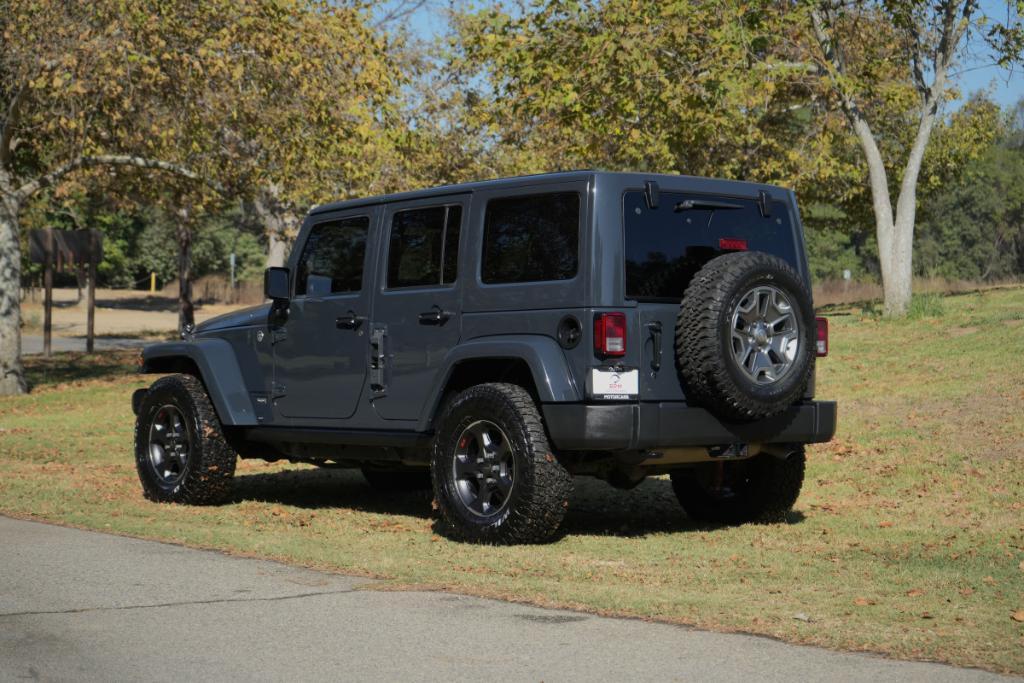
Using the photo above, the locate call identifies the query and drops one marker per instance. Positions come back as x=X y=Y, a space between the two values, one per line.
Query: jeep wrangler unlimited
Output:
x=494 y=339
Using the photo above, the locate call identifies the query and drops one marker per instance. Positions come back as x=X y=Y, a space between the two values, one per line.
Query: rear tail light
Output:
x=822 y=336
x=610 y=334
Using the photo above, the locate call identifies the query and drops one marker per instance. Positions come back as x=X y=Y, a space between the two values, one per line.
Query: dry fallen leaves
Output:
x=914 y=592
x=885 y=525
x=863 y=602
x=1018 y=615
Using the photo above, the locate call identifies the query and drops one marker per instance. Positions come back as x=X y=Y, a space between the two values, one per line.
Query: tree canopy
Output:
x=177 y=123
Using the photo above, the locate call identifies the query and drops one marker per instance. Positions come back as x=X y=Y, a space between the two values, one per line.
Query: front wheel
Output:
x=181 y=454
x=761 y=489
x=495 y=477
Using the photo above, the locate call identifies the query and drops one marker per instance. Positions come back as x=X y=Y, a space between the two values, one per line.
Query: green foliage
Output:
x=214 y=239
x=704 y=88
x=973 y=227
x=926 y=306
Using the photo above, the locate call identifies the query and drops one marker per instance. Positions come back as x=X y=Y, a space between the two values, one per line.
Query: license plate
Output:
x=614 y=385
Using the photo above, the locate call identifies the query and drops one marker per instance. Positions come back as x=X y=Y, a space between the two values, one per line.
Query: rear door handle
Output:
x=655 y=327
x=435 y=316
x=350 y=321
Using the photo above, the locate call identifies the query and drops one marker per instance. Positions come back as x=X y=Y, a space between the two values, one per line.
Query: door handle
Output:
x=435 y=316
x=655 y=327
x=350 y=321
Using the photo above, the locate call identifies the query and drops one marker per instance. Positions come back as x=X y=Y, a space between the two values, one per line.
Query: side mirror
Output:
x=275 y=284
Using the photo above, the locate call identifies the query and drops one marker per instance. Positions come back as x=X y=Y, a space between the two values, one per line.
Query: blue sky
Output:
x=1005 y=87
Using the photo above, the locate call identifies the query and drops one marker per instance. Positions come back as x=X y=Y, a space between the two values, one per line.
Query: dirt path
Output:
x=118 y=312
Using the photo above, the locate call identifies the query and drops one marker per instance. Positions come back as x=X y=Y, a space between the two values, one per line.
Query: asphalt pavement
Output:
x=79 y=605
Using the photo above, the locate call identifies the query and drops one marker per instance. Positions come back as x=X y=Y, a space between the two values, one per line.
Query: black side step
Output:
x=342 y=437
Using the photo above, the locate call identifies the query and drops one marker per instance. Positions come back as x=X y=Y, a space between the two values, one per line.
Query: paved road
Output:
x=78 y=605
x=33 y=344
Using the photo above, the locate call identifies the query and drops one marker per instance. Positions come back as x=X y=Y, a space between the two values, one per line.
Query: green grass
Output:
x=926 y=306
x=908 y=538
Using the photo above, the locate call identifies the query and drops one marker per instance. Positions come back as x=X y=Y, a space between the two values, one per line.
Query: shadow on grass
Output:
x=595 y=508
x=328 y=488
x=61 y=368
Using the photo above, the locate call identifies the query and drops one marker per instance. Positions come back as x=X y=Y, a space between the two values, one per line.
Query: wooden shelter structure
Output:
x=64 y=250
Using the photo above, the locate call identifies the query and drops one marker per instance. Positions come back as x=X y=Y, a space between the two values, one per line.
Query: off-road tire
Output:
x=398 y=480
x=210 y=466
x=710 y=376
x=765 y=488
x=541 y=488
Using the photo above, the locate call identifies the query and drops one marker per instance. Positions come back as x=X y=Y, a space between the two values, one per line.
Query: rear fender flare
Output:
x=544 y=357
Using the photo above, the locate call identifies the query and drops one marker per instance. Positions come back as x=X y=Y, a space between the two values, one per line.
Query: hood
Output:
x=254 y=315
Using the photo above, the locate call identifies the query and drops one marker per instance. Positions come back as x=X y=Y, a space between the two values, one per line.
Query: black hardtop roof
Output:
x=621 y=178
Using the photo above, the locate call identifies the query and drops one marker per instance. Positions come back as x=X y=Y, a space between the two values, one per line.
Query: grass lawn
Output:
x=908 y=538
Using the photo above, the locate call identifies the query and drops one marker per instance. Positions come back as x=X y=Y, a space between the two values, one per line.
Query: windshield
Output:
x=666 y=246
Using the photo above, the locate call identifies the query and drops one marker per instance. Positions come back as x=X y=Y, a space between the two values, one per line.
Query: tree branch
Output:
x=830 y=52
x=400 y=10
x=44 y=181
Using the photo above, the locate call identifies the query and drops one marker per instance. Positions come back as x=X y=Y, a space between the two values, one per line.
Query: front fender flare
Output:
x=543 y=355
x=218 y=370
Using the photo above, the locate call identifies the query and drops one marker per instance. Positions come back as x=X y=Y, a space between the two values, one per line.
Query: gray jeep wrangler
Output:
x=493 y=339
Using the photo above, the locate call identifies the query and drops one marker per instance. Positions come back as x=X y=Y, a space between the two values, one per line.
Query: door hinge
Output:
x=277 y=390
x=378 y=360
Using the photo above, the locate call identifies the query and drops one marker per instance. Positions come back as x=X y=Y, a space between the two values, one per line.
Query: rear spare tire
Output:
x=745 y=336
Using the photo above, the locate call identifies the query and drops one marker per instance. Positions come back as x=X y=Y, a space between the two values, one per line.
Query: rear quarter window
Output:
x=666 y=246
x=531 y=238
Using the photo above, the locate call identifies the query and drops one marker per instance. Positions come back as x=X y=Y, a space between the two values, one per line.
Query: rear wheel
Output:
x=181 y=454
x=761 y=489
x=495 y=477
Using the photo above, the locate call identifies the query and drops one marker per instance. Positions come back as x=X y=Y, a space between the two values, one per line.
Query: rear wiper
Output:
x=688 y=204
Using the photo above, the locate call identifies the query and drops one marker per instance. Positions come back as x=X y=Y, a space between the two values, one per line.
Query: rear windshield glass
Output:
x=667 y=245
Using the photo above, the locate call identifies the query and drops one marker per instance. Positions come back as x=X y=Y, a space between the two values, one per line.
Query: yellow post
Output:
x=152 y=282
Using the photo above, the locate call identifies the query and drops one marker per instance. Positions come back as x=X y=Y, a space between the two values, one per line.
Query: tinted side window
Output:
x=531 y=238
x=332 y=259
x=424 y=246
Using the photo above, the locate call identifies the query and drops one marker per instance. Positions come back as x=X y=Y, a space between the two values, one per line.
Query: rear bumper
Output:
x=638 y=426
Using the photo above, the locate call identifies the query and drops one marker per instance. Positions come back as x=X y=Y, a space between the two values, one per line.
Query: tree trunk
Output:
x=275 y=216
x=906 y=209
x=186 y=310
x=277 y=246
x=12 y=375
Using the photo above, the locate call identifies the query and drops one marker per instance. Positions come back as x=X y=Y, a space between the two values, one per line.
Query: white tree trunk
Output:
x=906 y=212
x=894 y=263
x=12 y=375
x=275 y=216
x=277 y=242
